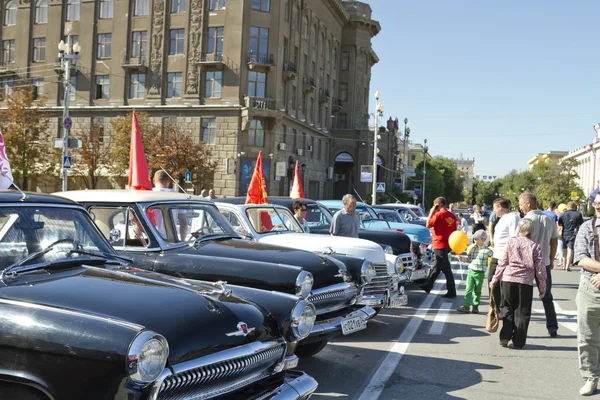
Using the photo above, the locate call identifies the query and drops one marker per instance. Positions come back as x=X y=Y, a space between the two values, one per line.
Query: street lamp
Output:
x=404 y=156
x=425 y=149
x=68 y=54
x=378 y=114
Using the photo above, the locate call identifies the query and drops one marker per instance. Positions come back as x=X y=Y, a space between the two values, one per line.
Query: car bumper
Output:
x=290 y=385
x=333 y=326
x=372 y=300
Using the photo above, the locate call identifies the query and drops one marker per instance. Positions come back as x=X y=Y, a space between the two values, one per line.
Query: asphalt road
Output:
x=429 y=351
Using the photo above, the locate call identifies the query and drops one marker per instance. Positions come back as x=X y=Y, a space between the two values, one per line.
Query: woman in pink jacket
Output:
x=516 y=271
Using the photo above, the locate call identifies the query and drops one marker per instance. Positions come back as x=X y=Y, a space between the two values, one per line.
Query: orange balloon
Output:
x=459 y=241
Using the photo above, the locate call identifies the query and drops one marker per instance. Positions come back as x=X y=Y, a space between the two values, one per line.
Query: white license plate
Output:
x=419 y=274
x=351 y=325
x=398 y=301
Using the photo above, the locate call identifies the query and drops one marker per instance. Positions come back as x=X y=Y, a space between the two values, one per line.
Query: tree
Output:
x=25 y=129
x=485 y=192
x=557 y=182
x=443 y=179
x=94 y=157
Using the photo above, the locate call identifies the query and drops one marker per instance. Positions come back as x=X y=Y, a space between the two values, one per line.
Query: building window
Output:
x=106 y=9
x=294 y=96
x=73 y=89
x=8 y=52
x=259 y=40
x=39 y=50
x=303 y=105
x=322 y=45
x=335 y=57
x=313 y=36
x=139 y=44
x=209 y=130
x=286 y=11
x=176 y=45
x=41 y=12
x=311 y=109
x=38 y=83
x=141 y=7
x=342 y=121
x=104 y=47
x=343 y=92
x=304 y=28
x=73 y=10
x=283 y=137
x=261 y=5
x=214 y=83
x=319 y=150
x=174 y=83
x=257 y=83
x=97 y=126
x=311 y=144
x=6 y=85
x=256 y=133
x=328 y=51
x=215 y=40
x=137 y=89
x=217 y=5
x=297 y=19
x=10 y=14
x=345 y=61
x=102 y=87
x=177 y=6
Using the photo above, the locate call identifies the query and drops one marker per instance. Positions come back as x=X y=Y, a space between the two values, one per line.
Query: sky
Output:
x=497 y=81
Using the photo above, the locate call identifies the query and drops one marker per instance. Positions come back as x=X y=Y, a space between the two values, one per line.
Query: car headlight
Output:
x=399 y=265
x=147 y=357
x=304 y=284
x=304 y=316
x=388 y=250
x=367 y=271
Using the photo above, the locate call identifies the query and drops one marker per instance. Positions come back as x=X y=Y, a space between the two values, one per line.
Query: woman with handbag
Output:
x=521 y=263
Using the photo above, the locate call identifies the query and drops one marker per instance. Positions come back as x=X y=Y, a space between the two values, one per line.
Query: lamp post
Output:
x=378 y=113
x=404 y=156
x=68 y=54
x=425 y=149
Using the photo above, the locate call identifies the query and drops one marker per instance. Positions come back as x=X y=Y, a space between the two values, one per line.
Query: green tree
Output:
x=93 y=158
x=485 y=192
x=557 y=182
x=443 y=179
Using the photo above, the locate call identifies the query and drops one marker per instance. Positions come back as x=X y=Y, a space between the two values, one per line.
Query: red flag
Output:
x=257 y=190
x=297 y=190
x=138 y=168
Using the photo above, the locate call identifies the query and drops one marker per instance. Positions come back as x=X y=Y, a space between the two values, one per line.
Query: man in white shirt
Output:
x=506 y=227
x=464 y=224
x=300 y=210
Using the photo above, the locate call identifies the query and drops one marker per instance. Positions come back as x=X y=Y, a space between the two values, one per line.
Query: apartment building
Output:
x=289 y=78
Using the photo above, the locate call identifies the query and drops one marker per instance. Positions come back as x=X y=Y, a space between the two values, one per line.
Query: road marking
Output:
x=566 y=318
x=440 y=319
x=399 y=348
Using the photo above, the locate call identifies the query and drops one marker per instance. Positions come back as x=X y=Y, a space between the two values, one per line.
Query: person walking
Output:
x=346 y=221
x=464 y=224
x=570 y=220
x=478 y=219
x=204 y=193
x=300 y=210
x=587 y=256
x=442 y=223
x=478 y=254
x=521 y=263
x=505 y=228
x=546 y=235
x=552 y=212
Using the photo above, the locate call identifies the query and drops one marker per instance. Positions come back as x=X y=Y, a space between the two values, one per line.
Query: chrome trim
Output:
x=296 y=314
x=300 y=279
x=335 y=324
x=107 y=320
x=334 y=297
x=298 y=386
x=134 y=353
x=372 y=300
x=220 y=373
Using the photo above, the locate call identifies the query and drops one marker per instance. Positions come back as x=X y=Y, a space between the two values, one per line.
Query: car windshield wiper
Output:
x=11 y=272
x=216 y=236
x=99 y=254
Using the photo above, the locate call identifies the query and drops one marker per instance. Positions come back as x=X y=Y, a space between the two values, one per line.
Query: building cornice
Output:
x=338 y=10
x=143 y=107
x=374 y=57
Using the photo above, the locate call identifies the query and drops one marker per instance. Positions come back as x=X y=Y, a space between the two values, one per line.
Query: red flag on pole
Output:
x=257 y=190
x=6 y=178
x=297 y=190
x=138 y=167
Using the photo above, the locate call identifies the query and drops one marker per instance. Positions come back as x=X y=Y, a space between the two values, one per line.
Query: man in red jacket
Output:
x=443 y=223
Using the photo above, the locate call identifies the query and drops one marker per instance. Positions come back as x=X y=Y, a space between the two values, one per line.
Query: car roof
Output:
x=127 y=196
x=278 y=206
x=272 y=200
x=14 y=196
x=358 y=203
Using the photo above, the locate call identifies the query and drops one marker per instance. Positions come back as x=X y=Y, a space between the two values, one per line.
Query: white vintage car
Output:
x=273 y=224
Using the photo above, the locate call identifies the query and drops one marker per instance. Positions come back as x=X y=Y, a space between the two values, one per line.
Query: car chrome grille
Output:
x=381 y=283
x=333 y=298
x=220 y=373
x=408 y=260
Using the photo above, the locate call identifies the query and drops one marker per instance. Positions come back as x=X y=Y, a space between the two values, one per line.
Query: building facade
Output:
x=289 y=78
x=543 y=157
x=467 y=167
x=588 y=165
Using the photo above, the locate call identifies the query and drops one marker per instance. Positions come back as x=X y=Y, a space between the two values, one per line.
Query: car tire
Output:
x=310 y=349
x=16 y=391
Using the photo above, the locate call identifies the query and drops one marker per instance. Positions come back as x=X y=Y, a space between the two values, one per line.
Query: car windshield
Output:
x=317 y=216
x=271 y=219
x=418 y=211
x=408 y=214
x=390 y=216
x=366 y=213
x=56 y=233
x=375 y=224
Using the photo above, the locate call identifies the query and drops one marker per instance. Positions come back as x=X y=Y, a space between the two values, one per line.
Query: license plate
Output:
x=351 y=325
x=398 y=301
x=419 y=274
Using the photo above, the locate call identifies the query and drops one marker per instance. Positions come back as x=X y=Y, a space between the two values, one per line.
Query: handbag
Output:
x=491 y=323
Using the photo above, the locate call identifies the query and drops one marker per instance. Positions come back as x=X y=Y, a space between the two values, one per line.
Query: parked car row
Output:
x=163 y=295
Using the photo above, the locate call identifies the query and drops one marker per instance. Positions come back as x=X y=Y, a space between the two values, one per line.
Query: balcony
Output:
x=336 y=104
x=309 y=84
x=260 y=61
x=134 y=63
x=324 y=96
x=7 y=68
x=260 y=103
x=216 y=60
x=289 y=71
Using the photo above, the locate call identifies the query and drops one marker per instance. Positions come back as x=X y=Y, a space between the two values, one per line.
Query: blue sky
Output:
x=498 y=81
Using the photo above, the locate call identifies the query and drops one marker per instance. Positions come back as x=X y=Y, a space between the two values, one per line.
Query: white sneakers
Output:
x=588 y=389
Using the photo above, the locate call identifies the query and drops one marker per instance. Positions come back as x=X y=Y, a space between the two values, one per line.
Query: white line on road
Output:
x=566 y=318
x=440 y=319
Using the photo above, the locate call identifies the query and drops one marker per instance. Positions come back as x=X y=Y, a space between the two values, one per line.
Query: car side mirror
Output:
x=114 y=235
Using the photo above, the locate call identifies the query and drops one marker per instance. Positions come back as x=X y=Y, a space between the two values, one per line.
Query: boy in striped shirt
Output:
x=477 y=257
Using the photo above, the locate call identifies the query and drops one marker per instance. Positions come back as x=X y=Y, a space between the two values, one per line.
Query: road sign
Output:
x=366 y=173
x=415 y=197
x=67 y=161
x=410 y=171
x=280 y=168
x=188 y=177
x=417 y=190
x=574 y=196
x=68 y=123
x=380 y=187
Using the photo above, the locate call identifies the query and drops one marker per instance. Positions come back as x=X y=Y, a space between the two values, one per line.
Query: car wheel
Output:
x=310 y=349
x=21 y=392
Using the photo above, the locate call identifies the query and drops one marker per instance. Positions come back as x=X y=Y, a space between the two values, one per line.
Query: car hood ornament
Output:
x=243 y=330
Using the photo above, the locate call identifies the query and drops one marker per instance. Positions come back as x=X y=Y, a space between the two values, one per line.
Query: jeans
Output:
x=588 y=329
x=442 y=264
x=559 y=252
x=548 y=302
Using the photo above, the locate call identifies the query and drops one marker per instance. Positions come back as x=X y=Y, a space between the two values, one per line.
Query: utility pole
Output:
x=425 y=149
x=404 y=156
x=378 y=112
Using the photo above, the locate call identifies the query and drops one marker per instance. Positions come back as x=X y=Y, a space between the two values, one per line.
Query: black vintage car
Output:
x=175 y=234
x=79 y=322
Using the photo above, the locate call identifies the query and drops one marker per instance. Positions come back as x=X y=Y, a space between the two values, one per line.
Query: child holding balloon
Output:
x=478 y=254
